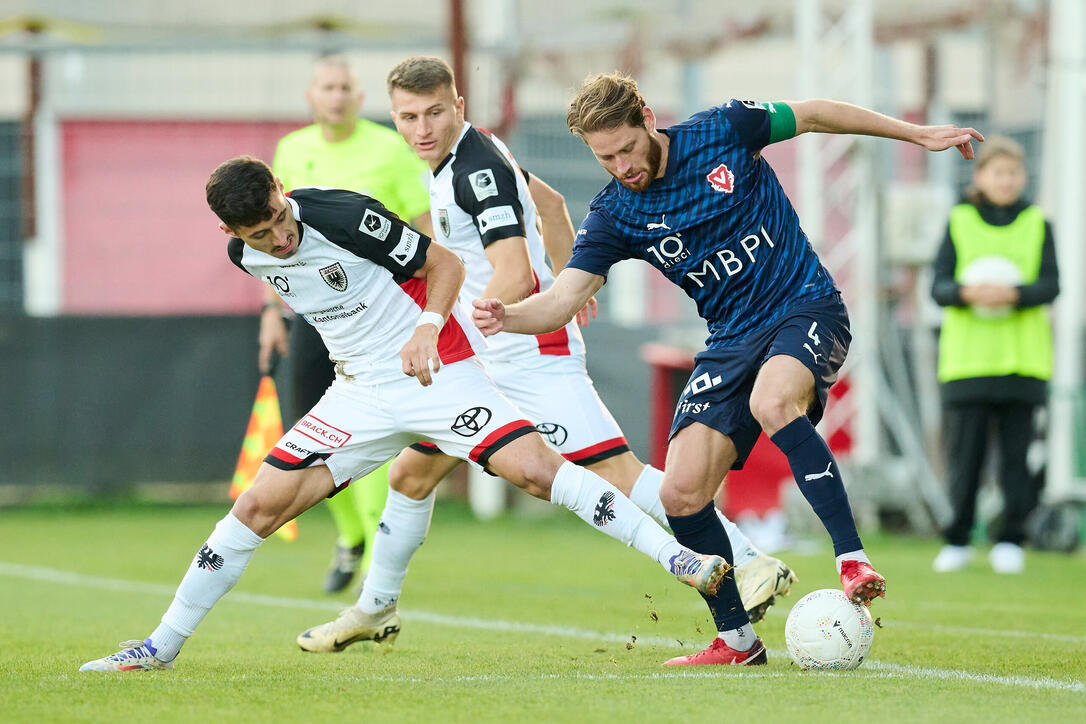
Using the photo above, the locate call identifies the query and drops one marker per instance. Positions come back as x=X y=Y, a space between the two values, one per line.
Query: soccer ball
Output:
x=991 y=270
x=825 y=630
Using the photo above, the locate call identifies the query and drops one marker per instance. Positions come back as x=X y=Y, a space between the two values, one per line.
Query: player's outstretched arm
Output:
x=444 y=273
x=825 y=116
x=539 y=313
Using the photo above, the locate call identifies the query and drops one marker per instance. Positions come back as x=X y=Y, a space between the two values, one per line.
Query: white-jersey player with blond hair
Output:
x=483 y=207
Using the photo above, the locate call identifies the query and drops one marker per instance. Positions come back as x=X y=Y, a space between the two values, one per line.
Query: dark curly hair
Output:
x=238 y=191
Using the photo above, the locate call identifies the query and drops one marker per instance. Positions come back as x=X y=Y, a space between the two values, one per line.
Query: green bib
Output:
x=1020 y=343
x=374 y=161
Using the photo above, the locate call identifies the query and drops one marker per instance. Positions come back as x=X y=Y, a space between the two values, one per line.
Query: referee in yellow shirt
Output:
x=342 y=151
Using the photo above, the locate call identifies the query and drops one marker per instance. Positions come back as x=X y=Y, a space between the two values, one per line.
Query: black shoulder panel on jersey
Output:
x=750 y=121
x=485 y=187
x=363 y=226
x=235 y=248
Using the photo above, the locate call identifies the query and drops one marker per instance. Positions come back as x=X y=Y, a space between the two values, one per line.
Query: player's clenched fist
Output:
x=419 y=353
x=488 y=315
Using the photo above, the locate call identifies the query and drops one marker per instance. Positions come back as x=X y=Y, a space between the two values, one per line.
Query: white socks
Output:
x=216 y=568
x=852 y=556
x=603 y=506
x=646 y=495
x=739 y=639
x=403 y=528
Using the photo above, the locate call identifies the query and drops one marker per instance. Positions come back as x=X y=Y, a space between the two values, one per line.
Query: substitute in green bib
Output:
x=341 y=150
x=994 y=273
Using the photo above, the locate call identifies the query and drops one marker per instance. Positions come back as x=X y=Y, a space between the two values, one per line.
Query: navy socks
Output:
x=819 y=480
x=702 y=532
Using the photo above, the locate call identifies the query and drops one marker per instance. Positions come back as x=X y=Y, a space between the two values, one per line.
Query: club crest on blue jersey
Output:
x=721 y=179
x=335 y=277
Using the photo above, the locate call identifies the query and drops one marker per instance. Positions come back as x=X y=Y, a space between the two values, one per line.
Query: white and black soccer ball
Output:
x=825 y=630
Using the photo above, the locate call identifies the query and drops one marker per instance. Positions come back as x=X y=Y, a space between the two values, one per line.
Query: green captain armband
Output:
x=782 y=122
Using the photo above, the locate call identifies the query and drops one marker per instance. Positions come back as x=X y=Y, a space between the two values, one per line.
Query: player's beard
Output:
x=652 y=167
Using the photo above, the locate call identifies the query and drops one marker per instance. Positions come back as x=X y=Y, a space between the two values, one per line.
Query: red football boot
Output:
x=861 y=582
x=720 y=654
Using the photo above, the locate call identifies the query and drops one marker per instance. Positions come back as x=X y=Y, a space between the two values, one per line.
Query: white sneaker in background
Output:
x=952 y=558
x=1007 y=558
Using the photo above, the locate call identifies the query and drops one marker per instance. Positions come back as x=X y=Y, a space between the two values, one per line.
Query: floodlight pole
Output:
x=458 y=48
x=43 y=253
x=836 y=60
x=837 y=180
x=1063 y=183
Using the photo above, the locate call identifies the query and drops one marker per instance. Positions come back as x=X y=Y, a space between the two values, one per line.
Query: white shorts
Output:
x=558 y=396
x=357 y=427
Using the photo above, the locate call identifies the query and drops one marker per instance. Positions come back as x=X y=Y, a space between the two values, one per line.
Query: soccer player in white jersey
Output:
x=483 y=210
x=384 y=300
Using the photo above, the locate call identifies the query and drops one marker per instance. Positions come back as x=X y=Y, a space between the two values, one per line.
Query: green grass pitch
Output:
x=519 y=619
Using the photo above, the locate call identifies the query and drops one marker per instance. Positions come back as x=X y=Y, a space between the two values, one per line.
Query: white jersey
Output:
x=479 y=196
x=351 y=278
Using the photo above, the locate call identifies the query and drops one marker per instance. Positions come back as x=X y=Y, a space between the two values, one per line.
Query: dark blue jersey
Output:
x=718 y=223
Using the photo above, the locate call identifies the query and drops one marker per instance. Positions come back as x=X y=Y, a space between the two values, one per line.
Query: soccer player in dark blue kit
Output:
x=699 y=203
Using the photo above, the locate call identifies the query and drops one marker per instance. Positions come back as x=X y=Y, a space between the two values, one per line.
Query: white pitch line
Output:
x=1029 y=682
x=884 y=669
x=71 y=578
x=664 y=676
x=970 y=631
x=891 y=622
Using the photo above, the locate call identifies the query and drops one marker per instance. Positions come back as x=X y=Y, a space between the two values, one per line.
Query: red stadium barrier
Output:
x=138 y=236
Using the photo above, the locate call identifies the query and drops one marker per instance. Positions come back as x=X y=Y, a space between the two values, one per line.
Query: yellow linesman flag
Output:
x=265 y=429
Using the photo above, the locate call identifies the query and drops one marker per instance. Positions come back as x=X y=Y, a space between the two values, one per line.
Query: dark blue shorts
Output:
x=718 y=393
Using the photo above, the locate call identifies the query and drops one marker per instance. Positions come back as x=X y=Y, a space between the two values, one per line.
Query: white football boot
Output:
x=351 y=626
x=703 y=572
x=760 y=582
x=133 y=656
